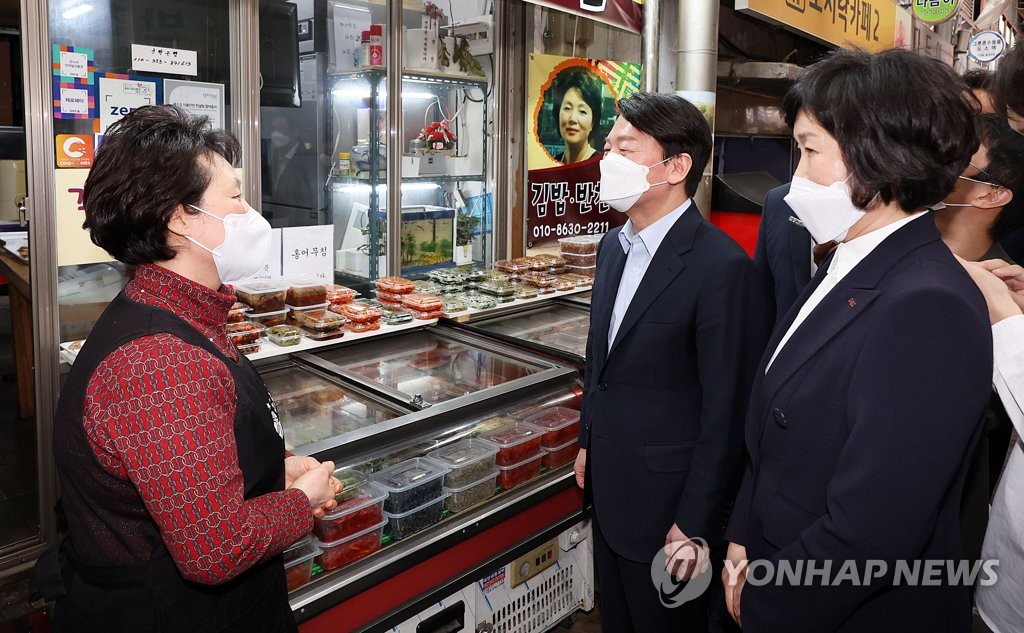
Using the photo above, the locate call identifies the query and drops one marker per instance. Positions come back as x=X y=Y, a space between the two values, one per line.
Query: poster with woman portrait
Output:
x=572 y=106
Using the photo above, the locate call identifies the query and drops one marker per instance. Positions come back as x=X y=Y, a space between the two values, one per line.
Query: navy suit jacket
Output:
x=782 y=254
x=859 y=439
x=663 y=409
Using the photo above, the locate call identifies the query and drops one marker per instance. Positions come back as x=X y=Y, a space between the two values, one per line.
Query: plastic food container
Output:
x=405 y=524
x=467 y=460
x=427 y=316
x=317 y=335
x=497 y=289
x=447 y=277
x=339 y=294
x=422 y=302
x=553 y=261
x=284 y=335
x=411 y=483
x=359 y=328
x=396 y=316
x=270 y=319
x=516 y=442
x=301 y=295
x=525 y=291
x=579 y=245
x=478 y=301
x=351 y=481
x=319 y=320
x=512 y=266
x=512 y=476
x=357 y=312
x=560 y=425
x=540 y=280
x=339 y=553
x=249 y=348
x=364 y=510
x=560 y=455
x=395 y=285
x=454 y=304
x=237 y=312
x=389 y=297
x=584 y=271
x=473 y=493
x=262 y=296
x=428 y=287
x=563 y=285
x=580 y=260
x=298 y=562
x=245 y=333
x=579 y=280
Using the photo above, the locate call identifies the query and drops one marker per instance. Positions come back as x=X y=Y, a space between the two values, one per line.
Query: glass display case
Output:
x=404 y=418
x=557 y=329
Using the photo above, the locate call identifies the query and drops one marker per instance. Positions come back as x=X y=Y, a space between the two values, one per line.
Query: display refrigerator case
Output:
x=430 y=504
x=582 y=298
x=557 y=329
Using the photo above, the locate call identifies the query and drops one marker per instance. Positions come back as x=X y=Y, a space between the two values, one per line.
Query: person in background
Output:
x=178 y=493
x=577 y=112
x=1001 y=604
x=978 y=81
x=869 y=397
x=677 y=323
x=1008 y=87
x=783 y=254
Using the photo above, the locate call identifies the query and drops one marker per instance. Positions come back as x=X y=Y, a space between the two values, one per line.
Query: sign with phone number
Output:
x=563 y=202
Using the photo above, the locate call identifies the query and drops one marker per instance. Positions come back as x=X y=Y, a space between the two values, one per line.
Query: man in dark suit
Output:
x=677 y=325
x=782 y=254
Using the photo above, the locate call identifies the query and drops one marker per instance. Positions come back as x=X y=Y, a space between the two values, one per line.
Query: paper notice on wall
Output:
x=272 y=267
x=348 y=26
x=73 y=243
x=197 y=98
x=307 y=251
x=120 y=94
x=159 y=59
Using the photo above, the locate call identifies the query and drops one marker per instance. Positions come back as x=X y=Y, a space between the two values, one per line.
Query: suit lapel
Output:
x=666 y=264
x=842 y=305
x=799 y=253
x=605 y=287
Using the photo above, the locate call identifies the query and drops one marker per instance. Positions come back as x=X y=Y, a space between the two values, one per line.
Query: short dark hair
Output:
x=676 y=124
x=147 y=165
x=1008 y=82
x=1005 y=150
x=905 y=136
x=589 y=86
x=977 y=79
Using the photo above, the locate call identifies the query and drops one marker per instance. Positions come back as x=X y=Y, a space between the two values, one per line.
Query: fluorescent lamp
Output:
x=408 y=186
x=76 y=11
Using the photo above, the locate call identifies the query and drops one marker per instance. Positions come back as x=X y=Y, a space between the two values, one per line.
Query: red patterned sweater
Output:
x=160 y=413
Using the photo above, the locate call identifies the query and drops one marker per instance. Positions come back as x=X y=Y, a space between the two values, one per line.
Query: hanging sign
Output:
x=573 y=108
x=159 y=59
x=986 y=46
x=625 y=14
x=870 y=24
x=935 y=11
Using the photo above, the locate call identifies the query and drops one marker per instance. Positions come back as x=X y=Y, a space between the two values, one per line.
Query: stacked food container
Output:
x=472 y=472
x=561 y=435
x=352 y=530
x=416 y=495
x=580 y=254
x=298 y=562
x=519 y=452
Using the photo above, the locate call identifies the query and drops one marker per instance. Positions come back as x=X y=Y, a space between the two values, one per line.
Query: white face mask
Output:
x=623 y=181
x=245 y=247
x=827 y=212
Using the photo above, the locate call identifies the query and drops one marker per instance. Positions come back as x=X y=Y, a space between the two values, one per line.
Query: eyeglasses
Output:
x=981 y=172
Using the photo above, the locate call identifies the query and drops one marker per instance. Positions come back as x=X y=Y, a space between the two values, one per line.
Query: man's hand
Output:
x=734 y=577
x=996 y=279
x=580 y=467
x=686 y=558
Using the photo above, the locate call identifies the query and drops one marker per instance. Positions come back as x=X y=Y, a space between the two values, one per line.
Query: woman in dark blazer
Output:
x=870 y=394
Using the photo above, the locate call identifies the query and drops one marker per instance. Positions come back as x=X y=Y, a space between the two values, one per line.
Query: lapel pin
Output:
x=795 y=220
x=853 y=304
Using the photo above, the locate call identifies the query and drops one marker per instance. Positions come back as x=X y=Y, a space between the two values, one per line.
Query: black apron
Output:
x=152 y=595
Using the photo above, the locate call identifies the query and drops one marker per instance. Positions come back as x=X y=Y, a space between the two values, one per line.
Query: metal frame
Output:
x=509 y=94
x=245 y=91
x=396 y=134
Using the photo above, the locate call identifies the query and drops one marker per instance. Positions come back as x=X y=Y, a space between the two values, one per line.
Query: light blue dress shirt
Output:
x=640 y=249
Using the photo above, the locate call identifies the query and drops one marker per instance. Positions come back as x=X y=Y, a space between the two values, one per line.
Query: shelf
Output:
x=422 y=76
x=337 y=183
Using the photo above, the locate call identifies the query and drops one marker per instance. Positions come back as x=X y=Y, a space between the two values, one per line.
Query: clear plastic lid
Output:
x=491 y=475
x=367 y=494
x=340 y=294
x=315 y=306
x=319 y=320
x=352 y=537
x=301 y=551
x=260 y=287
x=272 y=313
x=402 y=515
x=512 y=266
x=396 y=285
x=357 y=312
x=555 y=418
x=240 y=307
x=513 y=434
x=463 y=453
x=573 y=442
x=409 y=474
x=245 y=332
x=532 y=458
x=422 y=302
x=350 y=479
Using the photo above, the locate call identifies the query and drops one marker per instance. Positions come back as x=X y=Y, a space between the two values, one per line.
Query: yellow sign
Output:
x=874 y=25
x=73 y=243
